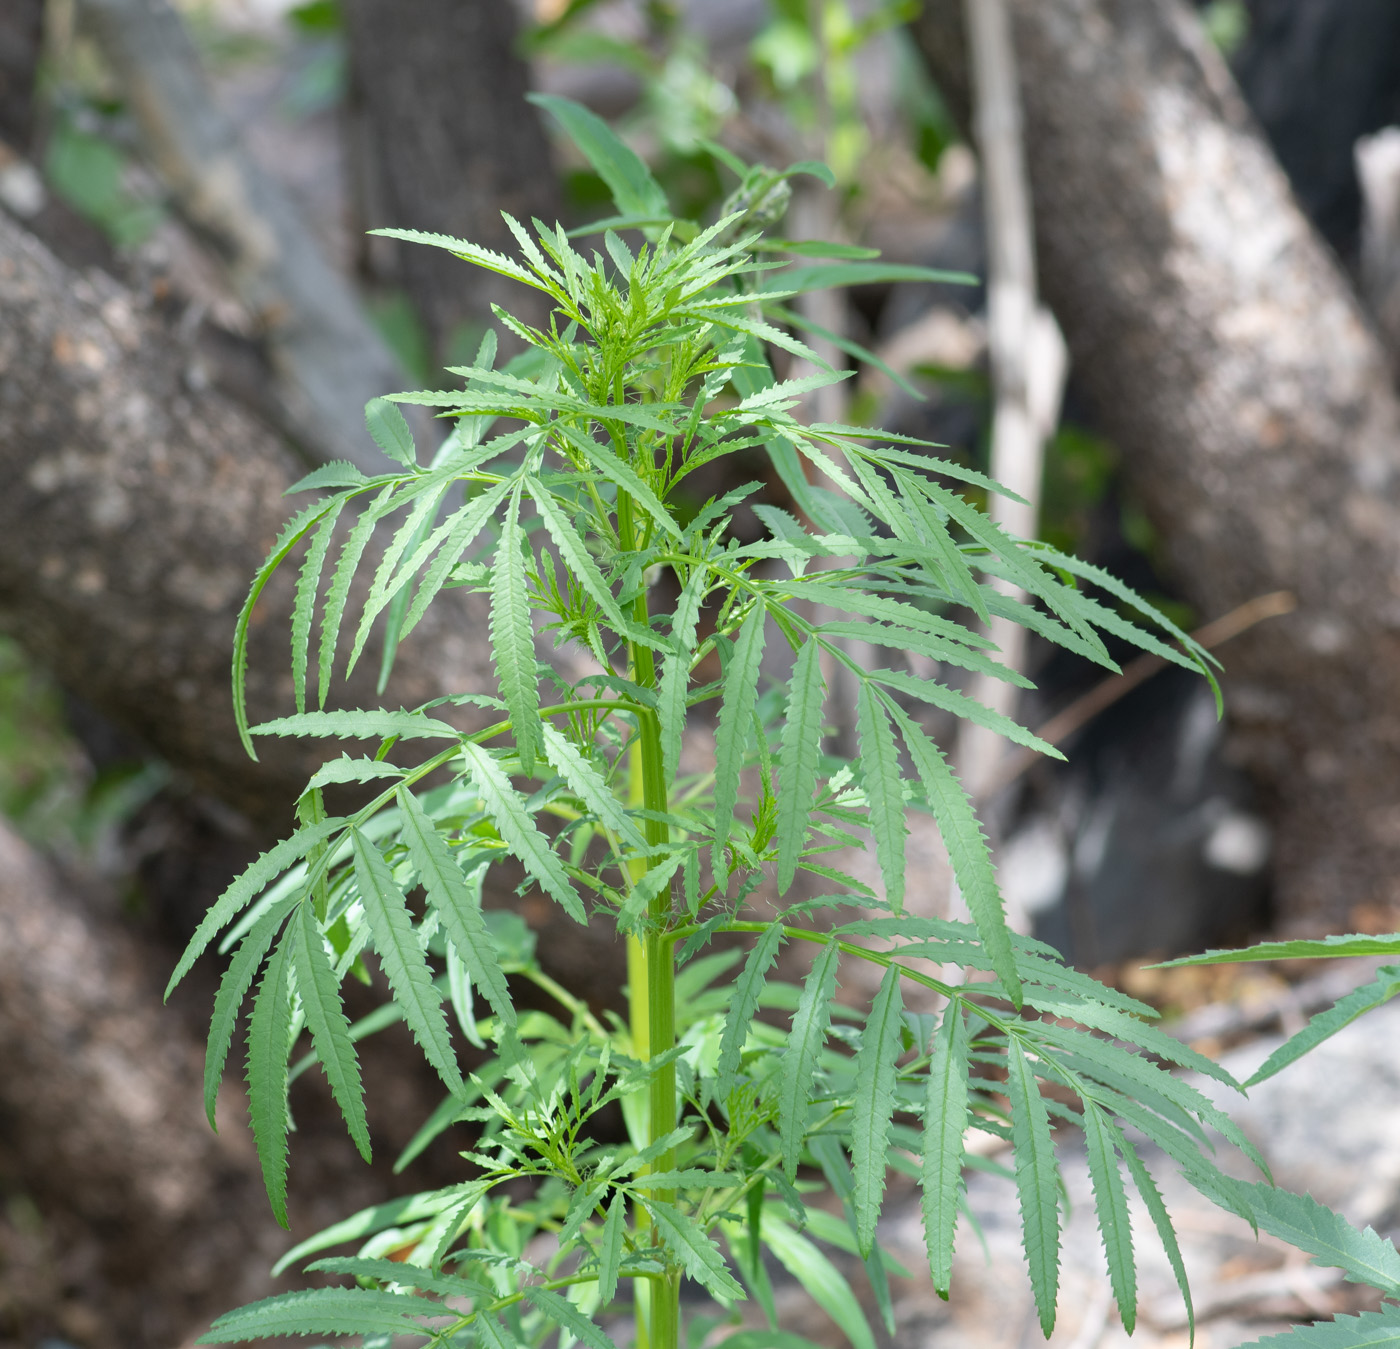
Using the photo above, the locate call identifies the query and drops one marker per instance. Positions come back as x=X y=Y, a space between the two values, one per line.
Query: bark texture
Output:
x=442 y=140
x=138 y=508
x=1227 y=356
x=155 y=1220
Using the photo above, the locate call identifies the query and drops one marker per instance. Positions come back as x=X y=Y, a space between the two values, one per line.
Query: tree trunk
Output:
x=137 y=510
x=1225 y=353
x=154 y=1222
x=441 y=139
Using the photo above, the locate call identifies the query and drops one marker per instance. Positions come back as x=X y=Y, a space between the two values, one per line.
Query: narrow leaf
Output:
x=1036 y=1182
x=634 y=190
x=308 y=583
x=945 y=1127
x=323 y=1311
x=468 y=252
x=1349 y=944
x=743 y=1006
x=825 y=1283
x=880 y=1046
x=269 y=1033
x=884 y=789
x=799 y=1068
x=587 y=784
x=698 y=1254
x=610 y=1249
x=1111 y=1202
x=339 y=593
x=454 y=902
x=325 y=1017
x=507 y=809
x=402 y=959
x=292 y=533
x=967 y=849
x=1368 y=1330
x=513 y=637
x=353 y=724
x=1166 y=1233
x=735 y=727
x=568 y=1317
x=1328 y=1022
x=798 y=759
x=1361 y=1254
x=675 y=673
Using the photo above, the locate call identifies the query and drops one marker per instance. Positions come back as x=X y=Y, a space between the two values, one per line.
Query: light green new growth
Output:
x=579 y=520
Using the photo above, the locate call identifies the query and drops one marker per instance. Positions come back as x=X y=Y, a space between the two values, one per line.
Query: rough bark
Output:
x=329 y=359
x=156 y=1220
x=137 y=509
x=441 y=139
x=1227 y=356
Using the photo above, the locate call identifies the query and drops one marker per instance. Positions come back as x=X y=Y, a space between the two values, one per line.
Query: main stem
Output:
x=652 y=974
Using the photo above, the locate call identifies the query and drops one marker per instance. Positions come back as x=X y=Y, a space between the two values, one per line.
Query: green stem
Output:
x=652 y=972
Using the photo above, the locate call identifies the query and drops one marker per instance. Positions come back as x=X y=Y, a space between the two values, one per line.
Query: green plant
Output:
x=1364 y=1256
x=655 y=364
